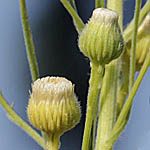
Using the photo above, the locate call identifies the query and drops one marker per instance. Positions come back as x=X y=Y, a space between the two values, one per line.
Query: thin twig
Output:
x=12 y=115
x=29 y=41
x=72 y=2
x=133 y=46
x=77 y=20
x=127 y=105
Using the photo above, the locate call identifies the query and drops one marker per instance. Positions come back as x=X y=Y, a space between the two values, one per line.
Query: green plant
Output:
x=112 y=83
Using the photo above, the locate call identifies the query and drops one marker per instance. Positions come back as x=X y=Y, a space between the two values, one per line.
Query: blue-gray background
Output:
x=57 y=53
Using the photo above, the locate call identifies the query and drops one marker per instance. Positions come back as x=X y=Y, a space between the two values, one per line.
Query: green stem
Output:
x=95 y=82
x=124 y=83
x=108 y=107
x=77 y=20
x=125 y=110
x=129 y=30
x=94 y=124
x=72 y=2
x=29 y=45
x=99 y=3
x=12 y=115
x=53 y=142
x=117 y=5
x=28 y=41
x=133 y=45
x=93 y=131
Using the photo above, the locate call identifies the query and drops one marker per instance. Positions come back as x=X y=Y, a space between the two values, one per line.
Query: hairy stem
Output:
x=29 y=41
x=53 y=142
x=77 y=20
x=12 y=115
x=72 y=2
x=29 y=45
x=126 y=108
x=108 y=106
x=95 y=82
x=124 y=83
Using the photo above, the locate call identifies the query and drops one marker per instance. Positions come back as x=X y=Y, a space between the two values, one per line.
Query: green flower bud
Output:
x=143 y=47
x=53 y=106
x=144 y=28
x=143 y=43
x=101 y=39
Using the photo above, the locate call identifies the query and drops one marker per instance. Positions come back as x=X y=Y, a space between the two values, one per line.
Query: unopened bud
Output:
x=143 y=42
x=101 y=39
x=143 y=47
x=144 y=28
x=53 y=106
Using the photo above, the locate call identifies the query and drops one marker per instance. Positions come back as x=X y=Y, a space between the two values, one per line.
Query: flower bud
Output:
x=143 y=47
x=144 y=28
x=101 y=39
x=53 y=106
x=143 y=42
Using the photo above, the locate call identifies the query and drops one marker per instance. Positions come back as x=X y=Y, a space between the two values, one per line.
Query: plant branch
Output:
x=12 y=115
x=29 y=41
x=124 y=83
x=95 y=82
x=133 y=45
x=77 y=20
x=108 y=107
x=126 y=108
x=72 y=2
x=29 y=45
x=53 y=142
